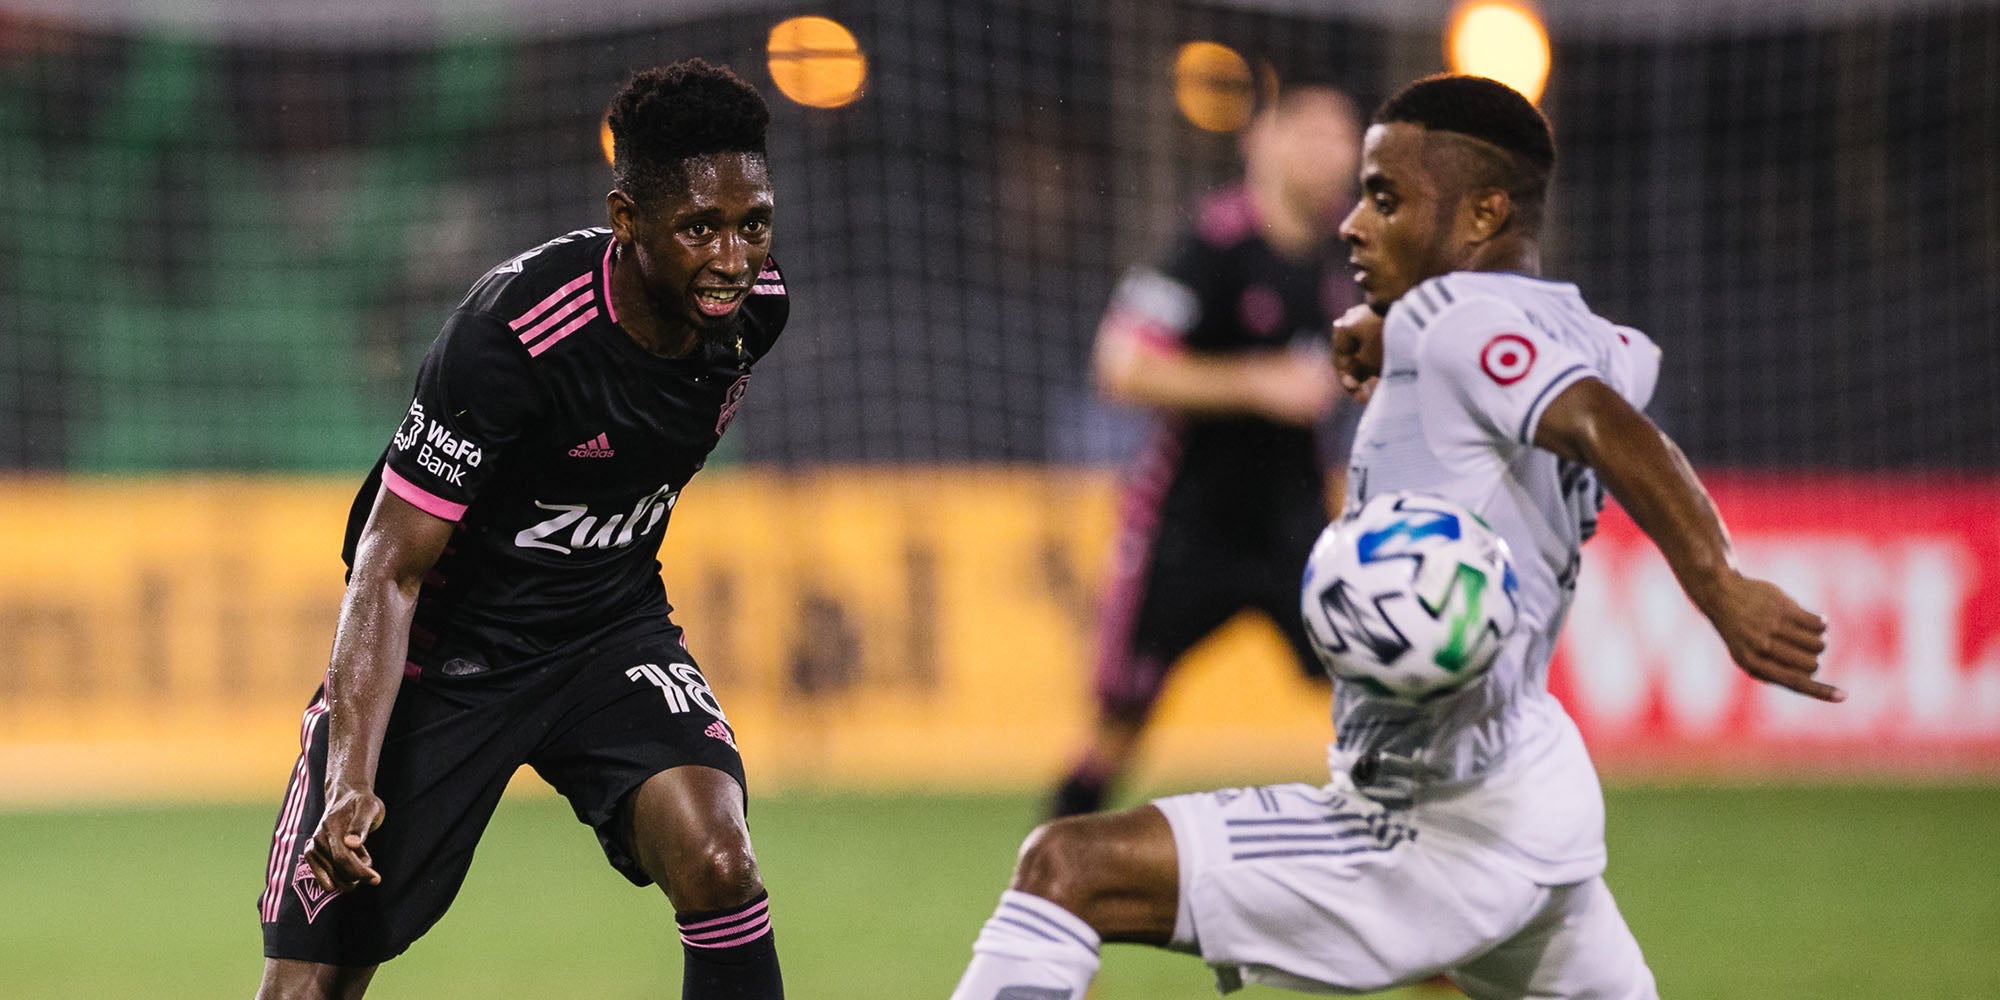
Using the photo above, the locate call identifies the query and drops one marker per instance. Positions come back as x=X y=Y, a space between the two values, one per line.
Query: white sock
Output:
x=1031 y=949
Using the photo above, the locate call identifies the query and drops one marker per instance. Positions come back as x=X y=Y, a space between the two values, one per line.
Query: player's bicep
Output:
x=400 y=541
x=1146 y=325
x=1589 y=422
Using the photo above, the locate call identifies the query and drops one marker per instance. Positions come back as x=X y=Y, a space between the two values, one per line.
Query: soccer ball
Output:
x=1409 y=596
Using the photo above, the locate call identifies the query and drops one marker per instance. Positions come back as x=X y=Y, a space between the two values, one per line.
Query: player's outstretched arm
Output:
x=1768 y=634
x=397 y=547
x=1290 y=386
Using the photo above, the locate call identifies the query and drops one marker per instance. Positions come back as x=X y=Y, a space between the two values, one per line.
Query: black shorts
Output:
x=1182 y=584
x=595 y=720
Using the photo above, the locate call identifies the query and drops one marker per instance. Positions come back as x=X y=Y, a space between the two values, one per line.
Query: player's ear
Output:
x=1488 y=211
x=623 y=213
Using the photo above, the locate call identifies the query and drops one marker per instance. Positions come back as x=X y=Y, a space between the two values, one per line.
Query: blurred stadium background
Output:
x=229 y=229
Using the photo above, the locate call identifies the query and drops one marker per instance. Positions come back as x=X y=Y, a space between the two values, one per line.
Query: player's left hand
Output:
x=1357 y=351
x=1770 y=636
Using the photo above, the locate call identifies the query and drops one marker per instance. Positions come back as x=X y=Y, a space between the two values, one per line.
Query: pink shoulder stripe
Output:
x=420 y=498
x=565 y=330
x=555 y=317
x=1228 y=217
x=540 y=307
x=609 y=309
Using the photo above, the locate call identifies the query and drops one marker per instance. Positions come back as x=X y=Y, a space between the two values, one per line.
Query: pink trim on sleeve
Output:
x=1152 y=337
x=421 y=498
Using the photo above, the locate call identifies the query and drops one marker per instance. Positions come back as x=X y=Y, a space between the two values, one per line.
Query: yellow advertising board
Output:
x=864 y=627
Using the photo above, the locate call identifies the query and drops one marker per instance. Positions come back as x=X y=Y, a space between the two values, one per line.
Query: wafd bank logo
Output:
x=575 y=527
x=441 y=453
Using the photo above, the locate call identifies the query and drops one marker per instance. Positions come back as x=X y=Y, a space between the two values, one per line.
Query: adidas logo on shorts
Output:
x=597 y=447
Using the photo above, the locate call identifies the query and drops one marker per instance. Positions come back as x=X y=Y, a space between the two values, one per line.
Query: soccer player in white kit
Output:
x=1463 y=836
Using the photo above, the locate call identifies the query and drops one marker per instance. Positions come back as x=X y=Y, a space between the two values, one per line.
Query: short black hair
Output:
x=670 y=114
x=1493 y=113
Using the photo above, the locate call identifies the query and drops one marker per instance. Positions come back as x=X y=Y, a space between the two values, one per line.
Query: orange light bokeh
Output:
x=1500 y=39
x=1213 y=86
x=816 y=62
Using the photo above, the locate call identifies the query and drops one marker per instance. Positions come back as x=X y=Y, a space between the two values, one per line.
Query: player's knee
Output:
x=1055 y=864
x=287 y=979
x=719 y=874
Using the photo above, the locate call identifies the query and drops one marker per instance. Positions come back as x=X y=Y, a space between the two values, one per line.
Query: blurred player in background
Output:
x=1225 y=344
x=504 y=604
x=1463 y=835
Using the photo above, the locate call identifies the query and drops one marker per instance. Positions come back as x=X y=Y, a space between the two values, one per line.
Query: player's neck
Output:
x=640 y=319
x=1505 y=253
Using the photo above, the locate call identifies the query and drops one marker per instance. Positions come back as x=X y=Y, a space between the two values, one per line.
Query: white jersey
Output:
x=1470 y=362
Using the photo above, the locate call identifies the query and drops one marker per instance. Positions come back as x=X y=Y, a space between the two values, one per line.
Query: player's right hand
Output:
x=1770 y=636
x=338 y=854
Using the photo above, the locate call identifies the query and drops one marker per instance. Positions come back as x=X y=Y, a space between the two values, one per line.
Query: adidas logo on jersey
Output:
x=597 y=447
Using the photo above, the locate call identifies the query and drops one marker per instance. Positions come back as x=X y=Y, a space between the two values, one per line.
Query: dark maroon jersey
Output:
x=559 y=446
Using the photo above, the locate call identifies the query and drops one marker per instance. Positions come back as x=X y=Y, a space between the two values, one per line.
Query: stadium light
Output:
x=1500 y=39
x=604 y=139
x=816 y=62
x=1213 y=86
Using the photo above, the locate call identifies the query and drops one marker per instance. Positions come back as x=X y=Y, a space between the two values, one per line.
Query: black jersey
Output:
x=1224 y=290
x=559 y=446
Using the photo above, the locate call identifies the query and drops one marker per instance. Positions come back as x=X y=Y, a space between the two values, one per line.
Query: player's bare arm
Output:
x=1768 y=634
x=399 y=545
x=1286 y=386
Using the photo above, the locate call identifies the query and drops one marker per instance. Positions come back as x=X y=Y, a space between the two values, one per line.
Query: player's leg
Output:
x=1274 y=579
x=445 y=760
x=285 y=979
x=689 y=834
x=641 y=749
x=1281 y=604
x=1109 y=749
x=1147 y=623
x=1279 y=600
x=1080 y=881
x=1577 y=948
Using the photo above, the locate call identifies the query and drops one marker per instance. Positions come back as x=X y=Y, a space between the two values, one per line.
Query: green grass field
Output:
x=1822 y=892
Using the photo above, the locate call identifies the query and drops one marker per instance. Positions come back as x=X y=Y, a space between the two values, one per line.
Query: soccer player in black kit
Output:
x=1222 y=507
x=504 y=603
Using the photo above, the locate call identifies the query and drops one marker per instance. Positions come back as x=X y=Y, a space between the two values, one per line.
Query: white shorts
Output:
x=1323 y=890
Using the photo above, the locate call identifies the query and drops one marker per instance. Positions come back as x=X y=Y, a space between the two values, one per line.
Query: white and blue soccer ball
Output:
x=1409 y=596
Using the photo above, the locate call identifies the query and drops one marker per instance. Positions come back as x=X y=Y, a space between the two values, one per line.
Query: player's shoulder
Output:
x=1482 y=300
x=768 y=290
x=1506 y=321
x=767 y=308
x=1450 y=302
x=562 y=272
x=1226 y=219
x=1467 y=294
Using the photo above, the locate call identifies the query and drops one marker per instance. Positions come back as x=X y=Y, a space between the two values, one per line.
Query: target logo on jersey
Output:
x=1507 y=358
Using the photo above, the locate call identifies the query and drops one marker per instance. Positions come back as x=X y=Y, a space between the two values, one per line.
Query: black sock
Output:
x=730 y=954
x=1081 y=793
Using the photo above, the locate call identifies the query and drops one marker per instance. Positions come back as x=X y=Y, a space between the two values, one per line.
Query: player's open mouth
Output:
x=717 y=301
